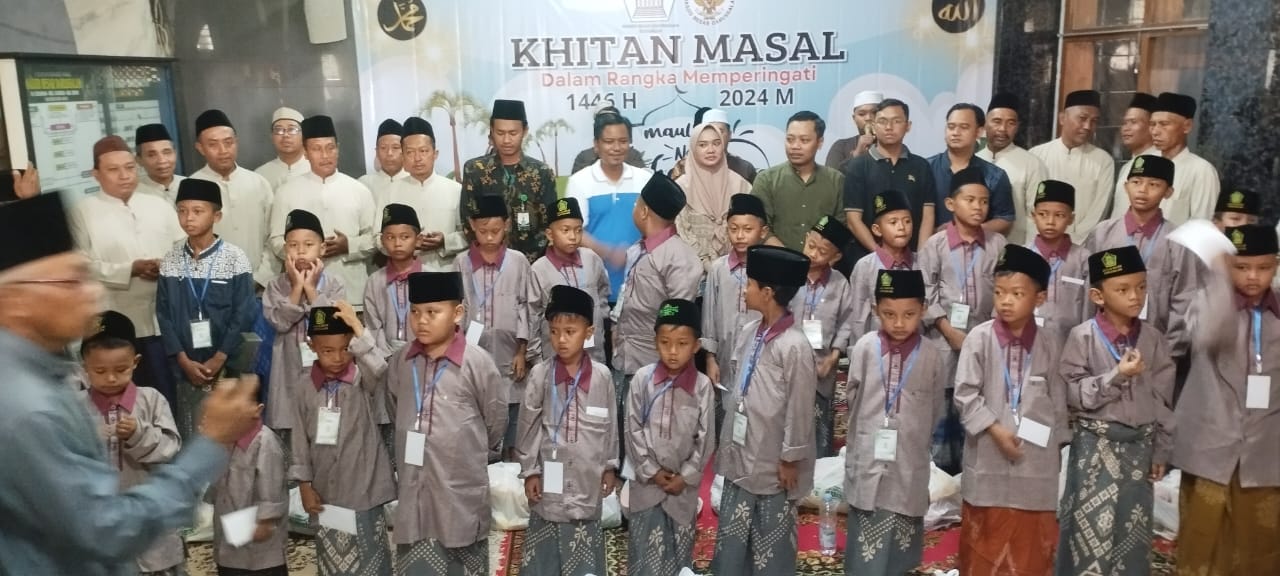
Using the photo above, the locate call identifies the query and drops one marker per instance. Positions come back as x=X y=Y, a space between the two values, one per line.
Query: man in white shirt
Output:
x=607 y=192
x=432 y=196
x=158 y=160
x=124 y=235
x=1197 y=187
x=1025 y=171
x=1072 y=158
x=286 y=136
x=1135 y=134
x=246 y=196
x=343 y=205
x=390 y=161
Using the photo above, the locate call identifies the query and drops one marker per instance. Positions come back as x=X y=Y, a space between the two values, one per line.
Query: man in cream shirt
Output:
x=390 y=161
x=1025 y=171
x=1135 y=134
x=1072 y=158
x=286 y=137
x=343 y=205
x=125 y=234
x=432 y=196
x=158 y=160
x=1196 y=190
x=246 y=196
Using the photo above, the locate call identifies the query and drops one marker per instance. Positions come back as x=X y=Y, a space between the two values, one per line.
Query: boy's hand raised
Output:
x=348 y=314
x=1131 y=363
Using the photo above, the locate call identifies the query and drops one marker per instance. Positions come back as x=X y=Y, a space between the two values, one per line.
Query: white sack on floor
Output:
x=828 y=477
x=1165 y=512
x=506 y=497
x=945 y=499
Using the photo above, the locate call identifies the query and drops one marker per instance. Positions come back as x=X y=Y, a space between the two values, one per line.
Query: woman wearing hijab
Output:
x=708 y=183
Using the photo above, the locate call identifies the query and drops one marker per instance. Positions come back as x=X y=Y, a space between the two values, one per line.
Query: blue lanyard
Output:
x=1151 y=244
x=1053 y=268
x=892 y=399
x=633 y=259
x=402 y=311
x=482 y=296
x=739 y=275
x=563 y=412
x=1257 y=339
x=745 y=383
x=331 y=391
x=417 y=390
x=644 y=416
x=191 y=282
x=1015 y=394
x=1105 y=342
x=811 y=299
x=963 y=277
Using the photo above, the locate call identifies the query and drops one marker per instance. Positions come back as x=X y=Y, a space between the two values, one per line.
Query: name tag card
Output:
x=553 y=477
x=201 y=334
x=1258 y=395
x=628 y=473
x=597 y=412
x=1070 y=280
x=959 y=316
x=886 y=445
x=327 y=422
x=308 y=355
x=414 y=447
x=522 y=220
x=1143 y=314
x=740 y=428
x=1034 y=432
x=474 y=331
x=813 y=331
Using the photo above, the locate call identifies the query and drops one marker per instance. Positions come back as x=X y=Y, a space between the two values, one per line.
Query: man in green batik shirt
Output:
x=527 y=184
x=799 y=192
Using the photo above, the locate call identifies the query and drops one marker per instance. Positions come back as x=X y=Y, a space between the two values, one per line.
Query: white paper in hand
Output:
x=238 y=527
x=338 y=518
x=1204 y=239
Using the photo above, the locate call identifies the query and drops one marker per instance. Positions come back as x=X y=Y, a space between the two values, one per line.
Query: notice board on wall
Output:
x=69 y=103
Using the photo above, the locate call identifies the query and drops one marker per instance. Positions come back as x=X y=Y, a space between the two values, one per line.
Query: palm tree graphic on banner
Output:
x=459 y=107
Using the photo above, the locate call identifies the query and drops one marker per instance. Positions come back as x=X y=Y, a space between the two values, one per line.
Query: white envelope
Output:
x=338 y=518
x=238 y=527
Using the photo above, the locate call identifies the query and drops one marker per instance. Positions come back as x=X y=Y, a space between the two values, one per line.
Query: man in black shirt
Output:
x=888 y=165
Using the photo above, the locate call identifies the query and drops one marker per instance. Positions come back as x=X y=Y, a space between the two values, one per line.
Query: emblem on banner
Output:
x=708 y=12
x=647 y=11
x=956 y=16
x=402 y=19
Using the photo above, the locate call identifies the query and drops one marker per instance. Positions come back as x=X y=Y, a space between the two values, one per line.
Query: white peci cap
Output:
x=866 y=97
x=715 y=115
x=286 y=113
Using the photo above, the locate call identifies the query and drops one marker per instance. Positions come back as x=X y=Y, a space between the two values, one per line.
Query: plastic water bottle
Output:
x=827 y=525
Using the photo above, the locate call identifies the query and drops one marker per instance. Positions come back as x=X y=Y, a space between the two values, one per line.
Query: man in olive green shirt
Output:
x=800 y=192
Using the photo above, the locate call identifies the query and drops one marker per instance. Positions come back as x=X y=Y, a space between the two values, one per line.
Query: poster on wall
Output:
x=71 y=104
x=658 y=61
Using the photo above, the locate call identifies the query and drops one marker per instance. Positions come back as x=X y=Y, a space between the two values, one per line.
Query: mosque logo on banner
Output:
x=402 y=19
x=708 y=12
x=957 y=16
x=649 y=11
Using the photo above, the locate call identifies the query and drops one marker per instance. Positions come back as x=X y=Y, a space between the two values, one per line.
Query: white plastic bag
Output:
x=945 y=499
x=610 y=512
x=717 y=493
x=510 y=508
x=1165 y=512
x=828 y=477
